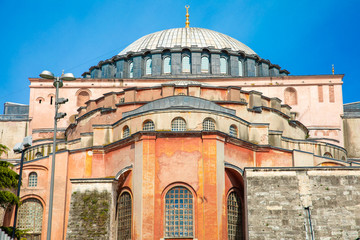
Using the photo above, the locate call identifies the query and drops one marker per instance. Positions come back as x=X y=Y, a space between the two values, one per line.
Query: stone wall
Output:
x=91 y=210
x=286 y=203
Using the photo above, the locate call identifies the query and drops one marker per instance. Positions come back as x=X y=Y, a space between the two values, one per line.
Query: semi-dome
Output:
x=186 y=37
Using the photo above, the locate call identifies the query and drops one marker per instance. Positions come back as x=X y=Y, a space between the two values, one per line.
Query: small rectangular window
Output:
x=320 y=93
x=331 y=93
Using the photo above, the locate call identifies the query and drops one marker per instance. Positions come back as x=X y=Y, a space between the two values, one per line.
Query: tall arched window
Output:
x=290 y=96
x=179 y=213
x=124 y=216
x=204 y=64
x=131 y=70
x=178 y=125
x=186 y=64
x=223 y=66
x=149 y=126
x=327 y=154
x=234 y=216
x=126 y=132
x=167 y=65
x=148 y=66
x=33 y=179
x=30 y=216
x=38 y=155
x=233 y=131
x=241 y=69
x=82 y=98
x=208 y=124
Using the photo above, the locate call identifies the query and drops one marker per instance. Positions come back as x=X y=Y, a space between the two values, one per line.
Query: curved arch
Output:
x=38 y=155
x=186 y=63
x=328 y=155
x=235 y=221
x=205 y=64
x=83 y=95
x=290 y=96
x=40 y=100
x=233 y=131
x=330 y=164
x=30 y=216
x=178 y=124
x=208 y=124
x=123 y=171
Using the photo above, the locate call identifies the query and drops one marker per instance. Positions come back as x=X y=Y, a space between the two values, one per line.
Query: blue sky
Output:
x=305 y=37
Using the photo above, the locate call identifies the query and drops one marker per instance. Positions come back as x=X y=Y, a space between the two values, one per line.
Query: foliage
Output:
x=8 y=181
x=18 y=233
x=3 y=149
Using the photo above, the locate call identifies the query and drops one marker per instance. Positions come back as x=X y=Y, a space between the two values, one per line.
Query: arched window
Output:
x=233 y=131
x=234 y=216
x=38 y=155
x=51 y=100
x=327 y=154
x=204 y=64
x=148 y=66
x=167 y=65
x=179 y=213
x=131 y=70
x=178 y=125
x=33 y=179
x=124 y=216
x=208 y=124
x=186 y=64
x=241 y=69
x=290 y=96
x=30 y=216
x=82 y=98
x=149 y=126
x=223 y=66
x=126 y=132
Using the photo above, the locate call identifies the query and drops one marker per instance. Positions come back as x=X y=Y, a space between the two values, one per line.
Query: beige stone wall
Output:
x=352 y=136
x=12 y=132
x=277 y=202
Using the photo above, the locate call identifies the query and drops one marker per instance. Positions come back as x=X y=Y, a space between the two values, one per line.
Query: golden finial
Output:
x=187 y=16
x=333 y=69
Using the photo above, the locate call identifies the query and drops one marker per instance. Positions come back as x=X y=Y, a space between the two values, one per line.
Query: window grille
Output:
x=234 y=215
x=241 y=70
x=33 y=179
x=223 y=66
x=179 y=213
x=38 y=155
x=204 y=64
x=131 y=70
x=186 y=64
x=30 y=216
x=178 y=125
x=148 y=66
x=126 y=132
x=233 y=131
x=208 y=125
x=149 y=126
x=124 y=217
x=167 y=65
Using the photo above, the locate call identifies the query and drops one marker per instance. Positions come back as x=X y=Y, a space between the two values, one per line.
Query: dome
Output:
x=186 y=37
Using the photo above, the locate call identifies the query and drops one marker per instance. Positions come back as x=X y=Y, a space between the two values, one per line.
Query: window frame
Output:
x=226 y=65
x=236 y=130
x=193 y=219
x=202 y=70
x=163 y=65
x=148 y=121
x=124 y=191
x=126 y=127
x=33 y=181
x=242 y=211
x=208 y=119
x=183 y=70
x=182 y=129
x=148 y=73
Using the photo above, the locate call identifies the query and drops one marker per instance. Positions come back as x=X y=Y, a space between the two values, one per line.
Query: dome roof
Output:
x=186 y=37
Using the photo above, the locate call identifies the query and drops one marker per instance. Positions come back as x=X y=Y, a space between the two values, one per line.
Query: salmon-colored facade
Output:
x=149 y=138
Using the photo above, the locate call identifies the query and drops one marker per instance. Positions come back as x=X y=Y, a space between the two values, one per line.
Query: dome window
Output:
x=208 y=124
x=178 y=125
x=233 y=131
x=186 y=64
x=167 y=65
x=223 y=66
x=148 y=66
x=149 y=126
x=131 y=70
x=241 y=70
x=126 y=132
x=204 y=64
